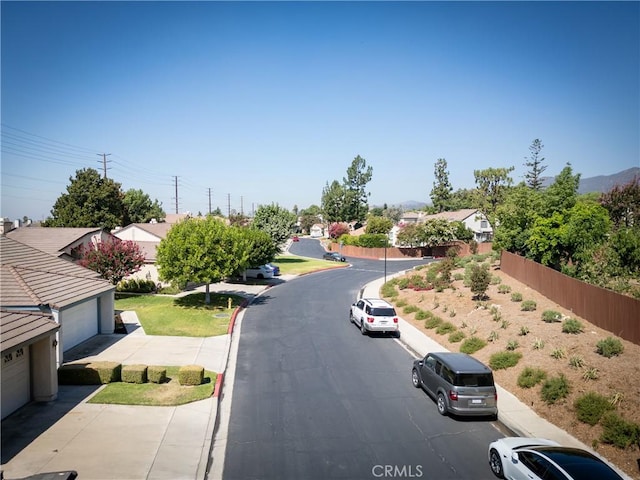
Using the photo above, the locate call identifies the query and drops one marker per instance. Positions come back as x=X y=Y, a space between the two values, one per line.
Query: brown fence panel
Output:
x=618 y=314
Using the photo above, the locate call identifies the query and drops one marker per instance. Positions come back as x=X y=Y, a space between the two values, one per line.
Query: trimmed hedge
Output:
x=134 y=373
x=95 y=373
x=157 y=374
x=191 y=375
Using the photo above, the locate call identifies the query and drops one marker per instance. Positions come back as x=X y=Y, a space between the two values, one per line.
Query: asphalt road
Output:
x=314 y=399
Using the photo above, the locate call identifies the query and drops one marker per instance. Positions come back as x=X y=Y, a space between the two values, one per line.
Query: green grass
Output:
x=186 y=316
x=294 y=265
x=153 y=394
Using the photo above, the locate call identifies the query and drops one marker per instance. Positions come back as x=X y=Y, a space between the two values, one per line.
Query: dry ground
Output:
x=619 y=374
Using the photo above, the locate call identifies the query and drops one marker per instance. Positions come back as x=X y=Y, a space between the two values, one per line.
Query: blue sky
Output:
x=266 y=102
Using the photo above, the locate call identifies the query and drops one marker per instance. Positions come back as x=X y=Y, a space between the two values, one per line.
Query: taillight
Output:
x=395 y=319
x=370 y=319
x=496 y=397
x=453 y=395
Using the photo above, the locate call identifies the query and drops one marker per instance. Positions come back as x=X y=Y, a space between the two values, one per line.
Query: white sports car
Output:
x=520 y=458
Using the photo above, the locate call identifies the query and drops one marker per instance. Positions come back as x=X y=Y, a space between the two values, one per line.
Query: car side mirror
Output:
x=514 y=457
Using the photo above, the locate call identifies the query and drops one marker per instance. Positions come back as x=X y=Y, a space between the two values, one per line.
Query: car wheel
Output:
x=442 y=404
x=496 y=463
x=351 y=320
x=260 y=276
x=363 y=330
x=415 y=379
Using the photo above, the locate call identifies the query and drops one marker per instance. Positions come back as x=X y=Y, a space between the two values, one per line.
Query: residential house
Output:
x=317 y=230
x=29 y=368
x=76 y=298
x=60 y=241
x=473 y=219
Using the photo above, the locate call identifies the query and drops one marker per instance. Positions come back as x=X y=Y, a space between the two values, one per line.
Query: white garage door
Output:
x=79 y=323
x=16 y=380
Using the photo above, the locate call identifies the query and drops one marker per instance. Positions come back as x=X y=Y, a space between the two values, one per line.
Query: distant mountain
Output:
x=601 y=183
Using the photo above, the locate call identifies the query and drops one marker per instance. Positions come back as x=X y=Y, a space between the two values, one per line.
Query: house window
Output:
x=484 y=224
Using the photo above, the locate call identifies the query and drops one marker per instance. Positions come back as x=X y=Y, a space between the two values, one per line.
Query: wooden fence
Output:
x=618 y=314
x=402 y=252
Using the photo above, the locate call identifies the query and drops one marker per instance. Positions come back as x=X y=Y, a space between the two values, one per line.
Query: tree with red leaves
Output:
x=113 y=259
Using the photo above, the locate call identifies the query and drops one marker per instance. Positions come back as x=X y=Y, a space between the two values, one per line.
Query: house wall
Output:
x=106 y=312
x=136 y=234
x=44 y=373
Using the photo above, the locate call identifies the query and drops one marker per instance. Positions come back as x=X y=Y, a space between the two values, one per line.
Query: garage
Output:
x=78 y=323
x=16 y=380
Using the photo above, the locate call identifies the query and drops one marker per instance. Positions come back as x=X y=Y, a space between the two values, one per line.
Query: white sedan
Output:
x=521 y=458
x=263 y=271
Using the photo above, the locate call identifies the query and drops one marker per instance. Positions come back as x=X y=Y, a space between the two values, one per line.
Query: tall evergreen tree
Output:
x=535 y=164
x=441 y=191
x=356 y=196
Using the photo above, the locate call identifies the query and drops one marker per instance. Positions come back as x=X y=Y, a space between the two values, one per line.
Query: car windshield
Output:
x=474 y=380
x=383 y=312
x=580 y=464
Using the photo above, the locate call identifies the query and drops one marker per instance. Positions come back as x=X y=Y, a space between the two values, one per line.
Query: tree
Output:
x=493 y=184
x=336 y=230
x=203 y=251
x=462 y=232
x=562 y=194
x=307 y=221
x=515 y=218
x=436 y=232
x=534 y=163
x=277 y=221
x=333 y=202
x=139 y=208
x=90 y=201
x=546 y=242
x=409 y=235
x=262 y=249
x=586 y=227
x=463 y=198
x=441 y=191
x=623 y=203
x=379 y=225
x=356 y=196
x=112 y=259
x=480 y=279
x=238 y=219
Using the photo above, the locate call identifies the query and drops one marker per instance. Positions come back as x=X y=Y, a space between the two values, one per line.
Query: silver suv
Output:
x=459 y=383
x=374 y=315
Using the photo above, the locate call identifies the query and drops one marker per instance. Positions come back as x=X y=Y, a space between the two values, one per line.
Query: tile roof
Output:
x=30 y=277
x=20 y=328
x=458 y=215
x=49 y=239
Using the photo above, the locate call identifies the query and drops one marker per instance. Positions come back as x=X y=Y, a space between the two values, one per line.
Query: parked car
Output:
x=374 y=315
x=275 y=268
x=333 y=256
x=263 y=271
x=538 y=458
x=295 y=238
x=459 y=383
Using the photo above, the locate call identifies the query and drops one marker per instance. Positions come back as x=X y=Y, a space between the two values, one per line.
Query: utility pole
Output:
x=209 y=201
x=228 y=205
x=241 y=205
x=176 y=183
x=104 y=163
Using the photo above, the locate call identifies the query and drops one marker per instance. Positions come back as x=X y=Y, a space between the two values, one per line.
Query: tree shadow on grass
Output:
x=219 y=301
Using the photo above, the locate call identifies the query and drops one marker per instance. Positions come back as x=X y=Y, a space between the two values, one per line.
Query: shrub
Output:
x=505 y=324
x=558 y=353
x=493 y=336
x=191 y=375
x=530 y=377
x=609 y=347
x=503 y=360
x=479 y=281
x=456 y=336
x=516 y=297
x=591 y=406
x=134 y=373
x=590 y=374
x=432 y=322
x=403 y=283
x=410 y=309
x=472 y=345
x=504 y=288
x=401 y=303
x=550 y=316
x=528 y=306
x=572 y=325
x=524 y=330
x=458 y=276
x=512 y=345
x=538 y=344
x=94 y=373
x=576 y=361
x=495 y=280
x=136 y=285
x=618 y=431
x=421 y=314
x=388 y=290
x=446 y=327
x=157 y=374
x=554 y=389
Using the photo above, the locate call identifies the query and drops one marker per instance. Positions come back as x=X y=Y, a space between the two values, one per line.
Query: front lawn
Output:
x=294 y=265
x=186 y=316
x=154 y=394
